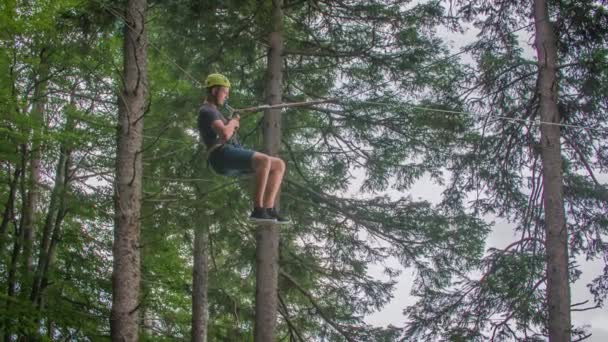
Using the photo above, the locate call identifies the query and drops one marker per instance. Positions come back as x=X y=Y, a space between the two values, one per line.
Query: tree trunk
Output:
x=56 y=233
x=48 y=226
x=558 y=286
x=267 y=235
x=29 y=209
x=18 y=239
x=54 y=218
x=200 y=285
x=52 y=248
x=131 y=109
x=11 y=288
x=9 y=216
x=9 y=208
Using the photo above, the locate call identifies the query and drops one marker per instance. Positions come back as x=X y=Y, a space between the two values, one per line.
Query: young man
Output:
x=229 y=158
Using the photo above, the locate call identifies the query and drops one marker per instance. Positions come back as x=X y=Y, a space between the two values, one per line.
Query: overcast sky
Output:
x=501 y=236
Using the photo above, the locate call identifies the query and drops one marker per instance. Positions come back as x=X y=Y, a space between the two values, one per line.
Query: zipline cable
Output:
x=422 y=108
x=335 y=100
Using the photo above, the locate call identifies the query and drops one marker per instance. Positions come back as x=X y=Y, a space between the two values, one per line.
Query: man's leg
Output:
x=277 y=170
x=261 y=165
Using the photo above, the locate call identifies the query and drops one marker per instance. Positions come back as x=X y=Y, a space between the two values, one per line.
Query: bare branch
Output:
x=316 y=305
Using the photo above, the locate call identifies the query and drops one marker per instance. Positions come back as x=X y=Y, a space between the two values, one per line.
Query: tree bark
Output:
x=54 y=217
x=48 y=226
x=53 y=246
x=29 y=209
x=11 y=288
x=267 y=267
x=9 y=208
x=267 y=235
x=18 y=239
x=128 y=182
x=558 y=286
x=200 y=285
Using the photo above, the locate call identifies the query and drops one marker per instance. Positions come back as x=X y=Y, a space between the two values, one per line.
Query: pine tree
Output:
x=42 y=47
x=132 y=104
x=502 y=164
x=558 y=286
x=267 y=235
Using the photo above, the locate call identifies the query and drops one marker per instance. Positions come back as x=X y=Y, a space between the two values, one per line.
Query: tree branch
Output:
x=316 y=305
x=285 y=314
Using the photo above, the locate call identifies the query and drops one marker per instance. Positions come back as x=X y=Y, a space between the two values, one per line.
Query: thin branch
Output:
x=285 y=315
x=582 y=338
x=584 y=309
x=583 y=160
x=316 y=305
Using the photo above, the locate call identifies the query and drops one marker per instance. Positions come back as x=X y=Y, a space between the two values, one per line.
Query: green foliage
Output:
x=333 y=239
x=383 y=60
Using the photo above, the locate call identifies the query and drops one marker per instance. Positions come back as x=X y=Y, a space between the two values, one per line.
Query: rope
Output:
x=339 y=101
x=430 y=109
x=124 y=20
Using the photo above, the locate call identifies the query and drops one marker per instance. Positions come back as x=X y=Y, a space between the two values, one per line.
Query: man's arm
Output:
x=226 y=131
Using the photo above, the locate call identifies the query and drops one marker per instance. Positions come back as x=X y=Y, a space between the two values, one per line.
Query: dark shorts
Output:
x=232 y=160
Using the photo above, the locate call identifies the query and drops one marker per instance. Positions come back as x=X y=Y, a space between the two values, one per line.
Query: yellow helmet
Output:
x=217 y=80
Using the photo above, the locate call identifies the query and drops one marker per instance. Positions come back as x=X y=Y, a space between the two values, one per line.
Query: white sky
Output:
x=501 y=236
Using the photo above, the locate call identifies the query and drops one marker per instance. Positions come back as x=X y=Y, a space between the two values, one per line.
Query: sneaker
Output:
x=261 y=215
x=272 y=212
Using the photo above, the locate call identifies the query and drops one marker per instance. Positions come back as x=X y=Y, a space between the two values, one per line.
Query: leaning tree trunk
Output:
x=267 y=235
x=200 y=285
x=558 y=286
x=9 y=208
x=45 y=243
x=128 y=182
x=29 y=208
x=11 y=281
x=54 y=219
x=9 y=216
x=47 y=230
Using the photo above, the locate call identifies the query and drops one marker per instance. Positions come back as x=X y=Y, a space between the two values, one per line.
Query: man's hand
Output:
x=226 y=130
x=237 y=121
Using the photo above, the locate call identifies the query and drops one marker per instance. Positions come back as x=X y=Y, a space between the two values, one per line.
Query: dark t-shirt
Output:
x=206 y=115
